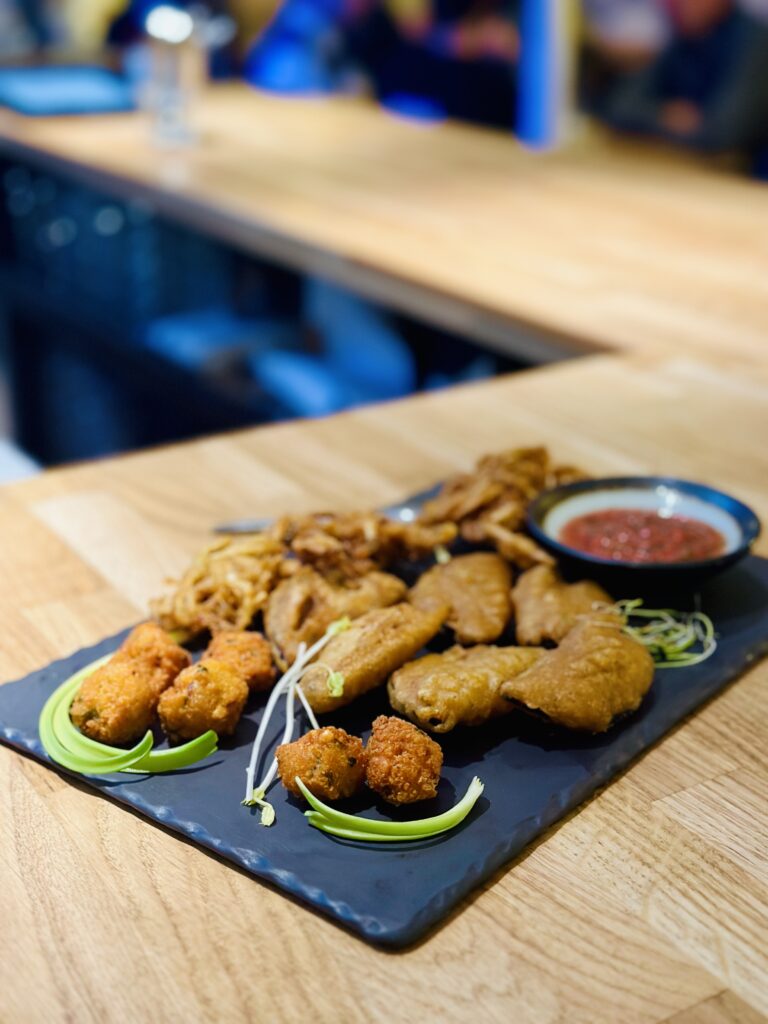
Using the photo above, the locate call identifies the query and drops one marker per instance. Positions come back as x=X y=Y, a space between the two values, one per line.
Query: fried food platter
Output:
x=540 y=732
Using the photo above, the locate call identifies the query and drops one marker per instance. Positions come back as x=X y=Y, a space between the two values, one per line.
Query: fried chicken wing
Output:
x=303 y=606
x=458 y=687
x=476 y=588
x=404 y=764
x=369 y=651
x=116 y=703
x=208 y=695
x=248 y=653
x=329 y=762
x=546 y=608
x=596 y=673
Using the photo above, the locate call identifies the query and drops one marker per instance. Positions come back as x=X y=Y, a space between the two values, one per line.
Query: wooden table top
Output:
x=650 y=904
x=605 y=245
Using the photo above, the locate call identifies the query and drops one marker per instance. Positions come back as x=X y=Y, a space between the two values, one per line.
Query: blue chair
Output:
x=301 y=384
x=291 y=56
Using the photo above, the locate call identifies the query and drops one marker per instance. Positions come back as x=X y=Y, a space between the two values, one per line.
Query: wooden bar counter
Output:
x=604 y=246
x=650 y=904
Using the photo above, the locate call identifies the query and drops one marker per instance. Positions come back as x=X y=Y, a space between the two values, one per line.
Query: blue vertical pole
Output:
x=539 y=73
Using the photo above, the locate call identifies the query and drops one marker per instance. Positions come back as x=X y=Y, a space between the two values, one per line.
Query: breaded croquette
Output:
x=329 y=762
x=208 y=695
x=154 y=654
x=404 y=764
x=248 y=653
x=115 y=704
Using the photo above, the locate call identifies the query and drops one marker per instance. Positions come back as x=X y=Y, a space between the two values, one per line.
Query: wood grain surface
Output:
x=606 y=245
x=648 y=905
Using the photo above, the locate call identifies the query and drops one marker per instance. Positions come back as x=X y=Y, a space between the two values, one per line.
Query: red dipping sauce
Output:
x=640 y=535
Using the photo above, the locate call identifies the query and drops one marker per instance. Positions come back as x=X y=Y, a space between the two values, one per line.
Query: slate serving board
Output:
x=392 y=895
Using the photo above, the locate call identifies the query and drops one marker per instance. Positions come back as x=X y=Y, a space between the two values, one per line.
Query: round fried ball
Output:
x=208 y=695
x=154 y=654
x=329 y=762
x=248 y=653
x=403 y=762
x=115 y=704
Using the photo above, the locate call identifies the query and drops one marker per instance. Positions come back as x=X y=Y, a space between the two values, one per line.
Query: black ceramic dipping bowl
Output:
x=549 y=513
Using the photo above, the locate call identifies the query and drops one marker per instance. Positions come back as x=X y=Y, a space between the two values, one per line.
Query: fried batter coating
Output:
x=489 y=503
x=153 y=654
x=369 y=651
x=248 y=653
x=329 y=762
x=477 y=589
x=343 y=546
x=404 y=764
x=303 y=606
x=458 y=687
x=597 y=673
x=547 y=609
x=208 y=695
x=116 y=704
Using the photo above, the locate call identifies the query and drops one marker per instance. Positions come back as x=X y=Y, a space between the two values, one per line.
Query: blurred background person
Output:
x=428 y=58
x=707 y=88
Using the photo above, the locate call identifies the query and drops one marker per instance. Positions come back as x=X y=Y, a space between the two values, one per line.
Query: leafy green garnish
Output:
x=442 y=555
x=335 y=684
x=352 y=826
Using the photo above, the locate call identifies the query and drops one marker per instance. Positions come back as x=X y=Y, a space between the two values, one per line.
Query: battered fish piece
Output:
x=116 y=704
x=208 y=695
x=329 y=762
x=404 y=764
x=477 y=589
x=547 y=609
x=596 y=673
x=248 y=653
x=303 y=607
x=154 y=654
x=458 y=687
x=369 y=651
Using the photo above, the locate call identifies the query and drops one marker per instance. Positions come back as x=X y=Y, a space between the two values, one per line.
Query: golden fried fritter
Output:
x=596 y=673
x=546 y=608
x=154 y=654
x=208 y=695
x=489 y=504
x=303 y=606
x=248 y=653
x=116 y=703
x=329 y=762
x=369 y=651
x=458 y=687
x=404 y=764
x=225 y=586
x=477 y=589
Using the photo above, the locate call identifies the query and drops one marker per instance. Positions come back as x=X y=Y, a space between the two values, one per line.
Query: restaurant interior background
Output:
x=120 y=328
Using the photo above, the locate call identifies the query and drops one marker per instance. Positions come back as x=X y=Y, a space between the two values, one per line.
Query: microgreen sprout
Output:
x=442 y=554
x=673 y=639
x=288 y=687
x=352 y=826
x=335 y=684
